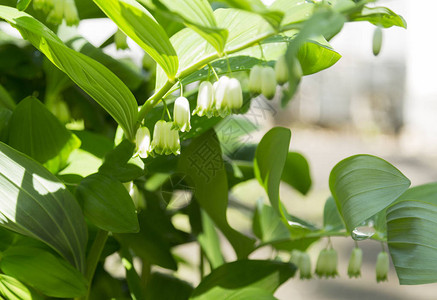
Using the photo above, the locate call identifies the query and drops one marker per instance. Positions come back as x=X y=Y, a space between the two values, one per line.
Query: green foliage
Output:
x=52 y=178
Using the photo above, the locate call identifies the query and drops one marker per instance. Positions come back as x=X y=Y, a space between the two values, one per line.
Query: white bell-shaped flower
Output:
x=268 y=82
x=181 y=114
x=228 y=96
x=205 y=100
x=57 y=13
x=142 y=139
x=281 y=70
x=71 y=15
x=165 y=139
x=255 y=78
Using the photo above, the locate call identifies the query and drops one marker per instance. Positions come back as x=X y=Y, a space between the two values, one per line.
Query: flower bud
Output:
x=44 y=5
x=305 y=266
x=255 y=79
x=142 y=139
x=281 y=70
x=135 y=194
x=377 y=40
x=165 y=139
x=268 y=82
x=382 y=266
x=327 y=263
x=235 y=94
x=57 y=13
x=181 y=114
x=355 y=261
x=205 y=100
x=295 y=257
x=70 y=13
x=120 y=40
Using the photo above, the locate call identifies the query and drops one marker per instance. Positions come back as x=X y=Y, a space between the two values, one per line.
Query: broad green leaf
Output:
x=6 y=100
x=116 y=163
x=270 y=157
x=203 y=166
x=274 y=17
x=316 y=55
x=426 y=193
x=331 y=217
x=234 y=278
x=324 y=22
x=36 y=204
x=107 y=204
x=210 y=242
x=12 y=289
x=163 y=286
x=44 y=271
x=198 y=15
x=411 y=232
x=126 y=71
x=364 y=185
x=34 y=131
x=380 y=16
x=95 y=79
x=137 y=23
x=267 y=225
x=294 y=10
x=23 y=4
x=297 y=172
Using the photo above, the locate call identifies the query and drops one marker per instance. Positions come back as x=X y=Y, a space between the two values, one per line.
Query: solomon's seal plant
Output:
x=355 y=261
x=100 y=178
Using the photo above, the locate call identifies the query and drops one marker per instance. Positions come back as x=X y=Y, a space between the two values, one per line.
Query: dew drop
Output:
x=362 y=233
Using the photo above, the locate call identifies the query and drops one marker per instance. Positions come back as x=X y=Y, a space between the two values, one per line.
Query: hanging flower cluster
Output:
x=262 y=80
x=58 y=10
x=220 y=99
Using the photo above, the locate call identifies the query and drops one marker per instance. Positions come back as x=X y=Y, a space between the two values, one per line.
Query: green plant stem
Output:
x=155 y=98
x=93 y=258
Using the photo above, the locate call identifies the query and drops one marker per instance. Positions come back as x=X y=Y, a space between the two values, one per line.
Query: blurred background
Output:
x=384 y=105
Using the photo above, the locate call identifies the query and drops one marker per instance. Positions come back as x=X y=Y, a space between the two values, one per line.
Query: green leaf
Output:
x=267 y=225
x=234 y=278
x=164 y=286
x=12 y=289
x=44 y=271
x=210 y=242
x=316 y=55
x=380 y=16
x=425 y=193
x=363 y=185
x=107 y=204
x=132 y=278
x=270 y=157
x=157 y=235
x=5 y=117
x=203 y=166
x=34 y=131
x=198 y=15
x=36 y=204
x=116 y=163
x=297 y=172
x=6 y=100
x=331 y=217
x=274 y=17
x=138 y=24
x=294 y=10
x=23 y=4
x=411 y=230
x=95 y=79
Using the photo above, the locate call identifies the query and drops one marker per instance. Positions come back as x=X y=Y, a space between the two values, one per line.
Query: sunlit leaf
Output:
x=411 y=232
x=363 y=185
x=12 y=289
x=95 y=79
x=232 y=279
x=297 y=172
x=44 y=271
x=35 y=203
x=137 y=23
